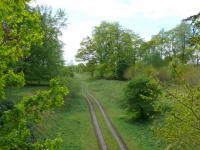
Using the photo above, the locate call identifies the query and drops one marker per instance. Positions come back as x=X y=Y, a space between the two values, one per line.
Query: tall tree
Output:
x=45 y=61
x=195 y=41
x=109 y=44
x=20 y=28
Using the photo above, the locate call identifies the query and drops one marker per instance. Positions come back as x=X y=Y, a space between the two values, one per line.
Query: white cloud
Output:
x=115 y=9
x=73 y=35
x=157 y=9
x=95 y=11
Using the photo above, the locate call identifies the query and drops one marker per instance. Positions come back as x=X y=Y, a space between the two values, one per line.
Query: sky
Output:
x=145 y=17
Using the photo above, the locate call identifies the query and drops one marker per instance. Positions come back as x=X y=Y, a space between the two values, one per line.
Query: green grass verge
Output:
x=110 y=94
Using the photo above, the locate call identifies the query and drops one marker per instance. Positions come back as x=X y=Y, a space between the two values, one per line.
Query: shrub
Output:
x=164 y=74
x=191 y=74
x=130 y=72
x=140 y=69
x=100 y=70
x=120 y=69
x=108 y=74
x=154 y=59
x=140 y=96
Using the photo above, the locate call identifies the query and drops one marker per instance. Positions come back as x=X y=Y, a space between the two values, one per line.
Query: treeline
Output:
x=113 y=52
x=30 y=52
x=44 y=60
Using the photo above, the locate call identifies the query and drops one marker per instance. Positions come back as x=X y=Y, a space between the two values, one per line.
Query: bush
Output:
x=120 y=69
x=191 y=74
x=164 y=74
x=130 y=72
x=154 y=59
x=5 y=106
x=140 y=69
x=140 y=96
x=109 y=74
x=99 y=71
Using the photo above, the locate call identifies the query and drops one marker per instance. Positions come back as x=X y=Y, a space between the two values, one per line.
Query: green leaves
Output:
x=15 y=131
x=140 y=96
x=20 y=29
x=15 y=80
x=45 y=61
x=108 y=43
x=180 y=129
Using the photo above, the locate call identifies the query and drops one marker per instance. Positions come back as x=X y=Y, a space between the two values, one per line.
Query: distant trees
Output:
x=195 y=21
x=175 y=43
x=45 y=61
x=109 y=44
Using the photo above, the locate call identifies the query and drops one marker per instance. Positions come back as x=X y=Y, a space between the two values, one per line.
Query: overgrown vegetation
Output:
x=171 y=57
x=31 y=53
x=45 y=61
x=20 y=30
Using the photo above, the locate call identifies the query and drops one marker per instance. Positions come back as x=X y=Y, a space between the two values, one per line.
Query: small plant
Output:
x=140 y=96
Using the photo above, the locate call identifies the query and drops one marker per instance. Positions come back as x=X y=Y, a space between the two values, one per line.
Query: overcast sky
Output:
x=145 y=17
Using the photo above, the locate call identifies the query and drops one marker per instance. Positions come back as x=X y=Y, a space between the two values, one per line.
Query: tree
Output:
x=195 y=21
x=108 y=43
x=45 y=61
x=183 y=34
x=120 y=69
x=175 y=43
x=20 y=29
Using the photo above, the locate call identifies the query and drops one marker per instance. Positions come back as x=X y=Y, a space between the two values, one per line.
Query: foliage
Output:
x=180 y=126
x=46 y=61
x=164 y=74
x=154 y=59
x=175 y=43
x=15 y=130
x=13 y=79
x=140 y=96
x=20 y=29
x=120 y=69
x=195 y=21
x=108 y=43
x=191 y=74
x=68 y=71
x=140 y=69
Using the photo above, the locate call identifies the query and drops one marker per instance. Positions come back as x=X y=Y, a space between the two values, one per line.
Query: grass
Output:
x=16 y=94
x=110 y=94
x=71 y=122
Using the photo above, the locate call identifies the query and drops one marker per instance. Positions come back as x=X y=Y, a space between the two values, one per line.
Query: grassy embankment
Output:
x=110 y=93
x=71 y=122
